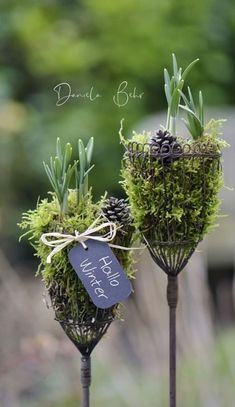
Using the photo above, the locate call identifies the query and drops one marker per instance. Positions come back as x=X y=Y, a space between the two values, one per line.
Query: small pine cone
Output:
x=165 y=143
x=117 y=210
x=162 y=138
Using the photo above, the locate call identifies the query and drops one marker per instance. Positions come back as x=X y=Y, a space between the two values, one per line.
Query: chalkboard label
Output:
x=100 y=273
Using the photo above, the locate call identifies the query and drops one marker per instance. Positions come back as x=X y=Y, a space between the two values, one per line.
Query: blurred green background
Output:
x=96 y=43
x=99 y=44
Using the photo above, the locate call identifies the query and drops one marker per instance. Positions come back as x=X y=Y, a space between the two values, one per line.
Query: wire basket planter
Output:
x=177 y=186
x=169 y=240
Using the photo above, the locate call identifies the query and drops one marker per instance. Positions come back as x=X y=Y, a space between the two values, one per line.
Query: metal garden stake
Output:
x=85 y=304
x=171 y=243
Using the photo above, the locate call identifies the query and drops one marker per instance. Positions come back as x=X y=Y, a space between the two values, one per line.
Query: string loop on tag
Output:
x=62 y=240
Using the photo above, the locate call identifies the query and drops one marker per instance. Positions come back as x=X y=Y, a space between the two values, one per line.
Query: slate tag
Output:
x=100 y=273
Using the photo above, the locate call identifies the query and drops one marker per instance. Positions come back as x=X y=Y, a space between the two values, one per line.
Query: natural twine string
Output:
x=62 y=240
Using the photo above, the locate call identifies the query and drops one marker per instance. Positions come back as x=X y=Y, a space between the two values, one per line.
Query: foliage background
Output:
x=96 y=43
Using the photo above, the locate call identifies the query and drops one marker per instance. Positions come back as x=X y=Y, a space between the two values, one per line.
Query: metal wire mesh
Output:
x=85 y=336
x=173 y=170
x=85 y=329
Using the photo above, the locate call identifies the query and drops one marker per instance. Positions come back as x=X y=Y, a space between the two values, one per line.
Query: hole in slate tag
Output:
x=100 y=273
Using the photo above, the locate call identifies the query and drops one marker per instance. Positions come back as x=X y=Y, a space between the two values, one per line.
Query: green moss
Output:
x=69 y=298
x=177 y=201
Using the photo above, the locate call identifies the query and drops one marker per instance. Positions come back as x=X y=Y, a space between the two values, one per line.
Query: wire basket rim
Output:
x=187 y=150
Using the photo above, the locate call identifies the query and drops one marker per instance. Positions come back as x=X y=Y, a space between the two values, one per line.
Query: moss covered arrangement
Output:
x=172 y=182
x=64 y=211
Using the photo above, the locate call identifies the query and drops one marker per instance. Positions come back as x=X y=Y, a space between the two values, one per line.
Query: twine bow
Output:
x=62 y=240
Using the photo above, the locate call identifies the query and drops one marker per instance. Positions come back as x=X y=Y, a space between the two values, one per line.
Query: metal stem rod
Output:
x=85 y=380
x=172 y=299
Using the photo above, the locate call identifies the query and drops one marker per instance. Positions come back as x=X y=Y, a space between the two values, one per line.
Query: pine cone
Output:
x=164 y=140
x=117 y=210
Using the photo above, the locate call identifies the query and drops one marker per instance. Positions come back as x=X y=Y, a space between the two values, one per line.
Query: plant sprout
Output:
x=195 y=116
x=172 y=86
x=59 y=172
x=81 y=174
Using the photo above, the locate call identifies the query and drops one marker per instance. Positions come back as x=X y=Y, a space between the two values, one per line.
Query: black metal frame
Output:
x=86 y=335
x=171 y=254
